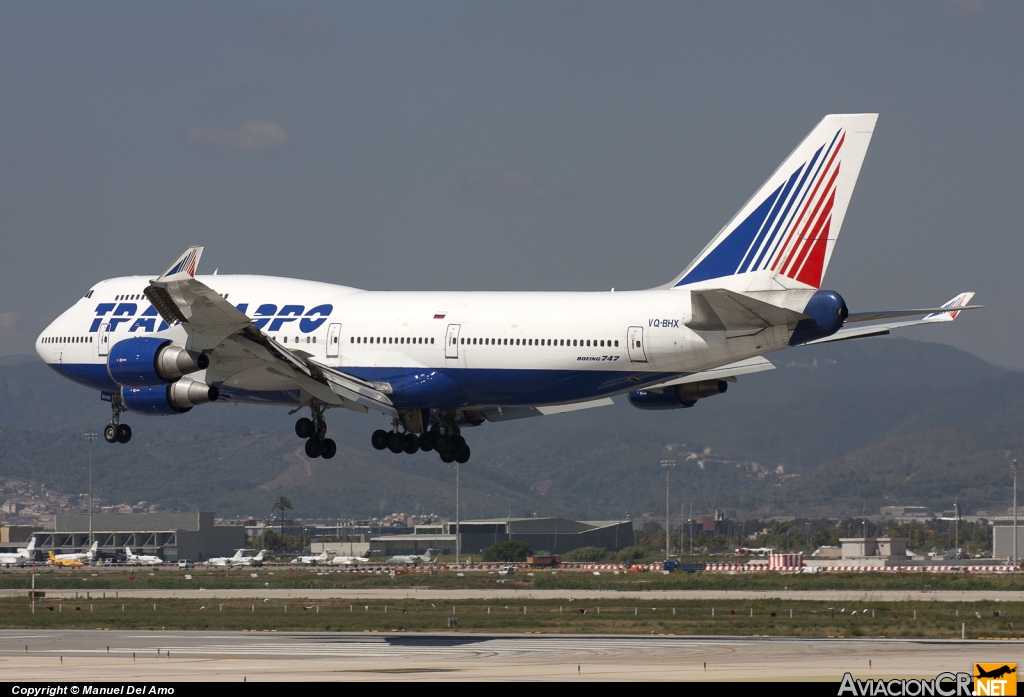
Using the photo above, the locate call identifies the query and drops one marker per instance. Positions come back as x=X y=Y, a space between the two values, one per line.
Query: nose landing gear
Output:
x=115 y=431
x=315 y=432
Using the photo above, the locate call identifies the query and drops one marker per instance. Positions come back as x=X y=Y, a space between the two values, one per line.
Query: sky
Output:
x=511 y=146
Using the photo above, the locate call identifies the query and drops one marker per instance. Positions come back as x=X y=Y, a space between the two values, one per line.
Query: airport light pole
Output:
x=1013 y=471
x=668 y=465
x=956 y=526
x=458 y=520
x=90 y=437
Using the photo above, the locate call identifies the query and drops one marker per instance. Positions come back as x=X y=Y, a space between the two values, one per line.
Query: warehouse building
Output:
x=554 y=535
x=171 y=536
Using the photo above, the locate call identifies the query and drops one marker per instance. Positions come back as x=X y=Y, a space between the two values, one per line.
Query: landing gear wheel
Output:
x=457 y=442
x=379 y=439
x=330 y=448
x=304 y=428
x=412 y=443
x=124 y=433
x=110 y=433
x=427 y=441
x=462 y=454
x=314 y=448
x=443 y=446
x=396 y=442
x=447 y=459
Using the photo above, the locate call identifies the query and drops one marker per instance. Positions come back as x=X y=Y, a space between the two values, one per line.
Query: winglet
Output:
x=959 y=301
x=184 y=266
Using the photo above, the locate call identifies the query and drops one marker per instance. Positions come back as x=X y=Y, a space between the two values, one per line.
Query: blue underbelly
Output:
x=438 y=388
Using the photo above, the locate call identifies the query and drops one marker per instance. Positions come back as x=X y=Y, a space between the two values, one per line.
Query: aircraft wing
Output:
x=215 y=325
x=725 y=372
x=946 y=313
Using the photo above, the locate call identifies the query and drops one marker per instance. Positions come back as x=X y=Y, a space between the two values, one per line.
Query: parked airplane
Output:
x=437 y=362
x=22 y=556
x=321 y=558
x=144 y=559
x=56 y=560
x=226 y=561
x=252 y=561
x=350 y=561
x=81 y=557
x=410 y=559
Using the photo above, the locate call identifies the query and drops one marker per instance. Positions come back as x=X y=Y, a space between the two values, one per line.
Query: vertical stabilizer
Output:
x=789 y=227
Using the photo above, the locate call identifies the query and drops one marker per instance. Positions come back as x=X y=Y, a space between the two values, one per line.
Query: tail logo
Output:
x=788 y=233
x=186 y=265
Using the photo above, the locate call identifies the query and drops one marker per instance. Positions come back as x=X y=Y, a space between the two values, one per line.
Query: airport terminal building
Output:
x=171 y=536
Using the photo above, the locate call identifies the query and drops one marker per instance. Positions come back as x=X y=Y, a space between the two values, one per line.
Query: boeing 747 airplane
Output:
x=437 y=362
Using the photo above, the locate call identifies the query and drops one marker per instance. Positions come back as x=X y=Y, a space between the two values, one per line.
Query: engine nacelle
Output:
x=144 y=361
x=677 y=396
x=176 y=398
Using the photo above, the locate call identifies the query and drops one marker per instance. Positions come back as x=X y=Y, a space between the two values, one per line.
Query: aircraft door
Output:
x=103 y=340
x=451 y=341
x=635 y=345
x=333 y=341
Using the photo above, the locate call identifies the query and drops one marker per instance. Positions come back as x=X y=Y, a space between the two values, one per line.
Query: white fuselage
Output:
x=438 y=349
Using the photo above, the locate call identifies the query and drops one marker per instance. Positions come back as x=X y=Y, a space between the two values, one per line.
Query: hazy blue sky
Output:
x=548 y=145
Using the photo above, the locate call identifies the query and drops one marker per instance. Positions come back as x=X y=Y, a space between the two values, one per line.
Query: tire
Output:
x=314 y=448
x=427 y=442
x=124 y=433
x=110 y=433
x=457 y=442
x=379 y=439
x=447 y=459
x=462 y=454
x=412 y=443
x=330 y=449
x=304 y=428
x=443 y=445
x=396 y=442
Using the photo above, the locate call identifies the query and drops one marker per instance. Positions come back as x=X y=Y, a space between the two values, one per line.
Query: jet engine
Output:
x=144 y=361
x=676 y=396
x=176 y=398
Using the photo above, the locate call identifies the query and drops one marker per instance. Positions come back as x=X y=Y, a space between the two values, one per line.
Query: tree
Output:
x=507 y=551
x=282 y=504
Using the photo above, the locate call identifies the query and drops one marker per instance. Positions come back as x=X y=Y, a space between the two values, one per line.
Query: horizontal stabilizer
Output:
x=935 y=314
x=945 y=313
x=724 y=310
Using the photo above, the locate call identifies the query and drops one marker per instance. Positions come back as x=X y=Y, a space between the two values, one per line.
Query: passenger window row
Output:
x=67 y=339
x=538 y=342
x=298 y=340
x=389 y=340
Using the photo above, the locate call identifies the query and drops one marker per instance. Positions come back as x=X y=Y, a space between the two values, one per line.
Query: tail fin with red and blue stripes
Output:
x=788 y=229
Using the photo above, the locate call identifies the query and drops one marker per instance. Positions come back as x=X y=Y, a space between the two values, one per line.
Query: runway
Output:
x=296 y=656
x=513 y=594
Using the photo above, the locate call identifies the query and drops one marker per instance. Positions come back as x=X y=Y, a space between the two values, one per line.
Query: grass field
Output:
x=907 y=619
x=86 y=579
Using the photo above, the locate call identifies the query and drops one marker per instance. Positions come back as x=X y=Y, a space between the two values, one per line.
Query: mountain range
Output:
x=838 y=429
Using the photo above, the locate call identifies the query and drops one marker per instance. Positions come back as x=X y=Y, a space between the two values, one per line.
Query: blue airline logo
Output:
x=308 y=321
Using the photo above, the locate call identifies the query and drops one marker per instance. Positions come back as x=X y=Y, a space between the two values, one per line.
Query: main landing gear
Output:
x=315 y=432
x=442 y=437
x=115 y=431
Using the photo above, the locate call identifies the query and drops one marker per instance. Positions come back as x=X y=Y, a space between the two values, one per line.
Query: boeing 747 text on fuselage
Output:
x=437 y=362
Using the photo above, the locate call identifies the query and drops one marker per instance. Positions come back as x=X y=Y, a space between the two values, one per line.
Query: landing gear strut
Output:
x=315 y=432
x=115 y=431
